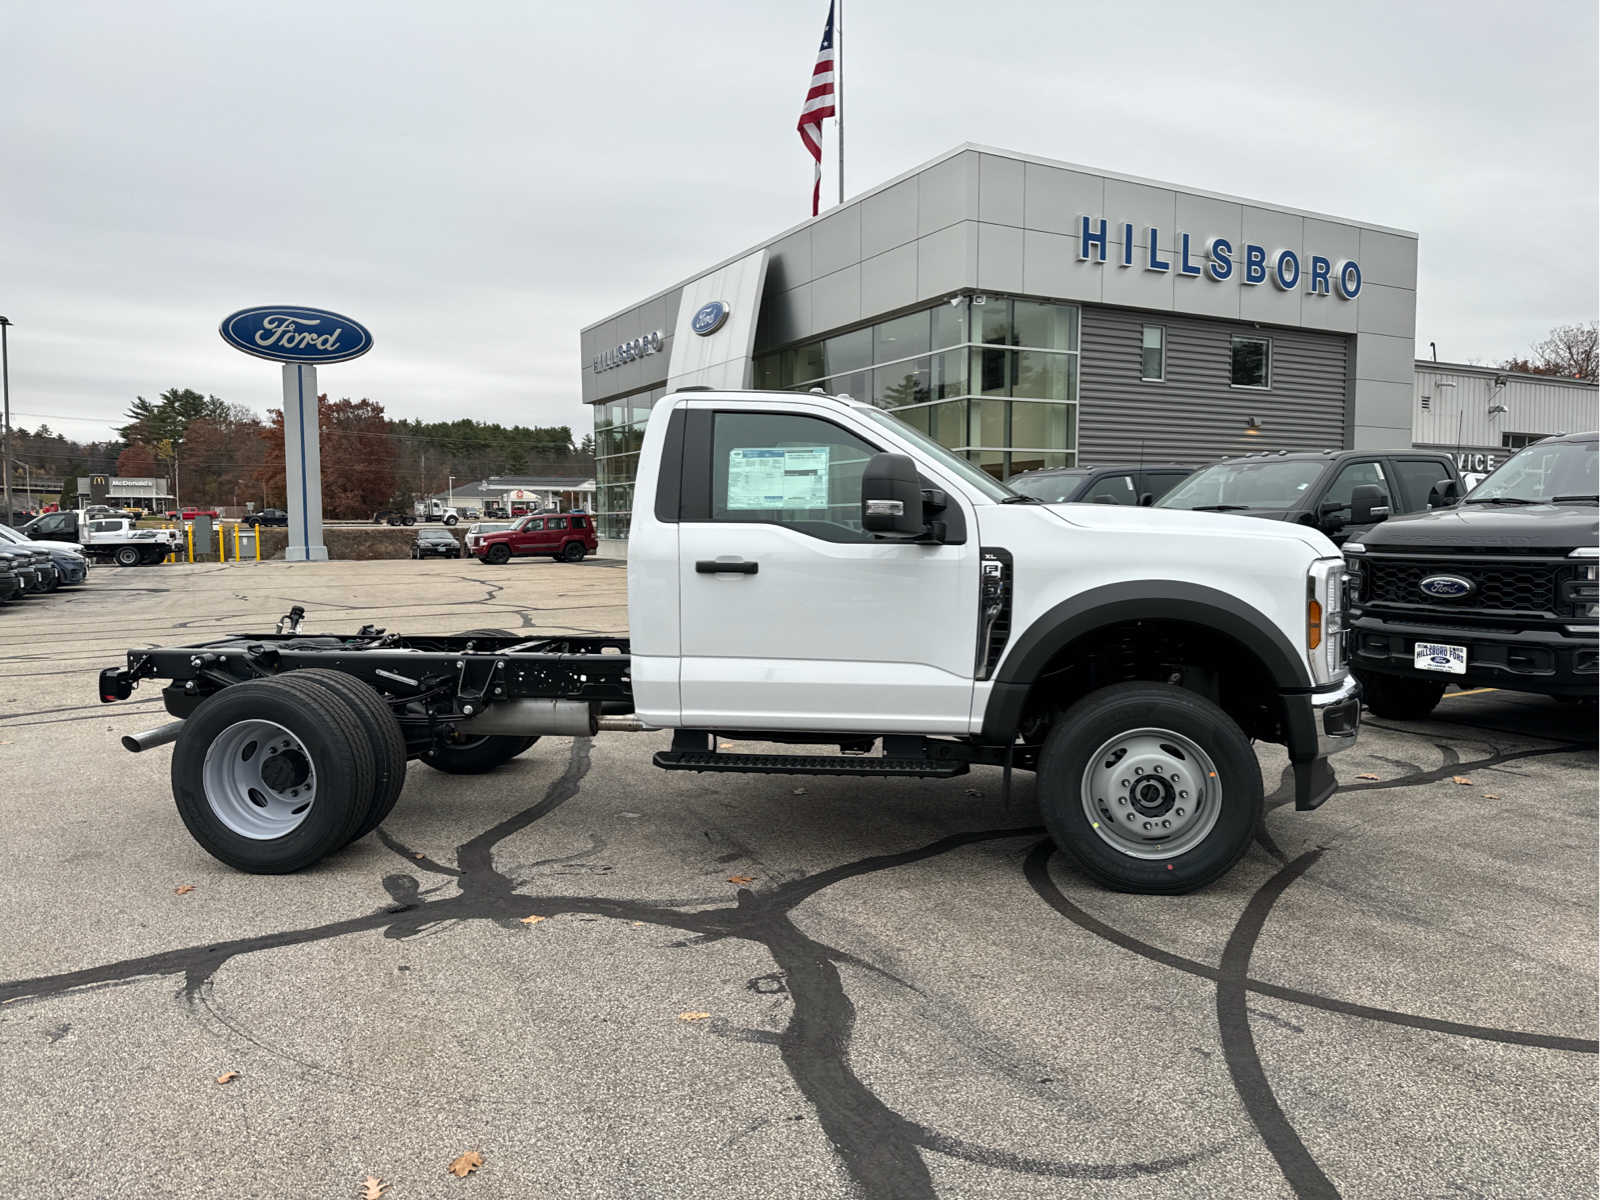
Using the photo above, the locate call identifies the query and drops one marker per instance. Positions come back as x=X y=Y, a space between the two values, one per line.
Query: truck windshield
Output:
x=982 y=480
x=1055 y=488
x=1544 y=473
x=1236 y=486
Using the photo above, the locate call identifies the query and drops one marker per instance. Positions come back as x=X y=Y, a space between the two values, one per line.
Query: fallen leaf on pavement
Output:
x=741 y=878
x=532 y=920
x=417 y=856
x=693 y=1016
x=373 y=1188
x=1462 y=780
x=227 y=1077
x=466 y=1164
x=1367 y=776
x=1490 y=796
x=183 y=889
x=799 y=791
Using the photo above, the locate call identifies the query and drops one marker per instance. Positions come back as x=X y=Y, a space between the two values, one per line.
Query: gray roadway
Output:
x=1391 y=997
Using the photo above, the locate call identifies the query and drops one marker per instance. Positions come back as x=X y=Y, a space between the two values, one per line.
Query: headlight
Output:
x=1325 y=620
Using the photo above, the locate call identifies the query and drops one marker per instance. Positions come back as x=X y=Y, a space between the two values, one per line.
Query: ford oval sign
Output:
x=1446 y=587
x=709 y=318
x=288 y=334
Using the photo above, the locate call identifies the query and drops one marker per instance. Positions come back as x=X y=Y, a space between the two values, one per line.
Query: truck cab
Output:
x=1343 y=493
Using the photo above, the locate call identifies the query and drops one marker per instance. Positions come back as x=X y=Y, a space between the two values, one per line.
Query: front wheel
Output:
x=1400 y=698
x=451 y=520
x=127 y=556
x=499 y=555
x=1149 y=788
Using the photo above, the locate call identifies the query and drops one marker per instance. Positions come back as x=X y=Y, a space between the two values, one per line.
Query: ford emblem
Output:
x=1446 y=587
x=289 y=334
x=709 y=318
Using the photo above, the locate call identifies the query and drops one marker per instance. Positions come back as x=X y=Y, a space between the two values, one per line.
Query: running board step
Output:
x=806 y=764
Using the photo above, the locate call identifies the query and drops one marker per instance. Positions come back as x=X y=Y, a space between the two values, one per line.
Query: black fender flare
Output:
x=1117 y=604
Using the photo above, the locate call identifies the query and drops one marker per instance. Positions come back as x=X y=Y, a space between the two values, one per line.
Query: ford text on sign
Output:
x=285 y=333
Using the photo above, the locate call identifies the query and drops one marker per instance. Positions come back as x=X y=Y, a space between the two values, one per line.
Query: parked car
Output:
x=1501 y=590
x=29 y=567
x=1139 y=484
x=189 y=514
x=1341 y=492
x=11 y=585
x=471 y=514
x=435 y=542
x=475 y=534
x=567 y=538
x=268 y=516
x=68 y=557
x=106 y=538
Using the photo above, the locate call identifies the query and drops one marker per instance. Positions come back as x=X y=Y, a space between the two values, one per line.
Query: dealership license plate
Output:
x=1433 y=656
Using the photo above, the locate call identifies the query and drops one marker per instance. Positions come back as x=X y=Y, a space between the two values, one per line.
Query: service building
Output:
x=1030 y=313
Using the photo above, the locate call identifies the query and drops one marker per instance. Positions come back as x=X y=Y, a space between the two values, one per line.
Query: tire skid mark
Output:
x=878 y=1147
x=1299 y=1169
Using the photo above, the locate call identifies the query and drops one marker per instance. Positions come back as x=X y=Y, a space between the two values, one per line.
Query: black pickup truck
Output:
x=1500 y=590
x=1341 y=492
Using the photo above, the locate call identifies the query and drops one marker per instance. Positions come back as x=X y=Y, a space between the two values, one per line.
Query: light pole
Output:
x=452 y=490
x=5 y=429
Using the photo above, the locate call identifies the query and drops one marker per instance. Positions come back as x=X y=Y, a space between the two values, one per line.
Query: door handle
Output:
x=712 y=566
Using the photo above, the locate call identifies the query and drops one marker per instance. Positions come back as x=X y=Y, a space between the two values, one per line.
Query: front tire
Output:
x=498 y=554
x=1400 y=698
x=1149 y=788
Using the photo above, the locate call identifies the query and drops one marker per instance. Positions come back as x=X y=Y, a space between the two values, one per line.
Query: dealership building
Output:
x=1029 y=313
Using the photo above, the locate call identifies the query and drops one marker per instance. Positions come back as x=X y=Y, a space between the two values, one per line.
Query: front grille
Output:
x=1501 y=587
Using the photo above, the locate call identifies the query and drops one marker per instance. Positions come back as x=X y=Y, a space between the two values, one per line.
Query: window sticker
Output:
x=778 y=477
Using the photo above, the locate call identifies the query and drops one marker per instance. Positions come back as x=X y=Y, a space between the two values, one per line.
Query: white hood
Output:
x=1124 y=518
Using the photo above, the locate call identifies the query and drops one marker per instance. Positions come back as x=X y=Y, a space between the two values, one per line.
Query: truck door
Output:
x=1336 y=500
x=792 y=617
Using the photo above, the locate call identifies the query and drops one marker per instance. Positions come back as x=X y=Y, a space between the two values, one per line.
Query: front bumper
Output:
x=1320 y=724
x=72 y=571
x=1559 y=660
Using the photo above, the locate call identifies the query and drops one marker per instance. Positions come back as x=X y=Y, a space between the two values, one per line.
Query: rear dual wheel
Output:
x=273 y=775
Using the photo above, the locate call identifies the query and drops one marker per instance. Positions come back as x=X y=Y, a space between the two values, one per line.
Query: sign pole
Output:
x=302 y=460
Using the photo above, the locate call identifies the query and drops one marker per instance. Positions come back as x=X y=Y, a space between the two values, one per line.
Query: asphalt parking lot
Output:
x=773 y=986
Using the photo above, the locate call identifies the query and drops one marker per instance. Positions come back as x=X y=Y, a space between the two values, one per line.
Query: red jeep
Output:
x=565 y=537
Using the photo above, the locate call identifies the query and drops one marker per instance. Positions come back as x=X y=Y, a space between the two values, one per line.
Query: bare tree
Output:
x=1572 y=351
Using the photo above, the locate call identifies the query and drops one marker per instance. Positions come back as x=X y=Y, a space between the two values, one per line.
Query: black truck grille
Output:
x=1500 y=587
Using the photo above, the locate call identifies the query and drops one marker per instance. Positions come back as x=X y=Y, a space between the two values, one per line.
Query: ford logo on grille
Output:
x=1446 y=587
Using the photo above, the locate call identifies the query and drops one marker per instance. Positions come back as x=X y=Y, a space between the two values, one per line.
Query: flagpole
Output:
x=838 y=85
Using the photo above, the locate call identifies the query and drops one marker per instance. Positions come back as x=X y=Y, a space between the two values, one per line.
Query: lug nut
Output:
x=1166 y=824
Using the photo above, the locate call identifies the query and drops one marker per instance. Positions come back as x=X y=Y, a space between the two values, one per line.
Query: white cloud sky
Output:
x=476 y=182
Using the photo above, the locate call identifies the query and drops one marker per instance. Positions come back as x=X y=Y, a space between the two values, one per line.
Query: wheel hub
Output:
x=259 y=779
x=1151 y=793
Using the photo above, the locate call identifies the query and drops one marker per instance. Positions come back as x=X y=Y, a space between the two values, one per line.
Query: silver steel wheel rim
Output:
x=1151 y=793
x=259 y=780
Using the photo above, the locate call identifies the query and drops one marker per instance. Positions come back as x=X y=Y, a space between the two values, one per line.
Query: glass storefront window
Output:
x=767 y=373
x=1042 y=376
x=991 y=322
x=946 y=423
x=800 y=364
x=1044 y=326
x=1040 y=426
x=901 y=384
x=950 y=324
x=991 y=372
x=900 y=338
x=949 y=375
x=992 y=461
x=987 y=424
x=1032 y=460
x=847 y=352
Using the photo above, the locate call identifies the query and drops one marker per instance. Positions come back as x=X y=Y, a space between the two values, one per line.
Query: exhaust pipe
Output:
x=532 y=718
x=134 y=743
x=620 y=724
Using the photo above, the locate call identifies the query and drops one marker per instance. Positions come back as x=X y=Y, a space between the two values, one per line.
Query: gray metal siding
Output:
x=1196 y=416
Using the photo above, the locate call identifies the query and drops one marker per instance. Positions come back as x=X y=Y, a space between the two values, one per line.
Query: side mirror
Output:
x=1368 y=503
x=891 y=497
x=1146 y=499
x=1444 y=493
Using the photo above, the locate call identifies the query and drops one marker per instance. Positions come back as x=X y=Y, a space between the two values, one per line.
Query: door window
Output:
x=1352 y=477
x=786 y=469
x=1112 y=489
x=555 y=523
x=1417 y=477
x=52 y=526
x=1159 y=483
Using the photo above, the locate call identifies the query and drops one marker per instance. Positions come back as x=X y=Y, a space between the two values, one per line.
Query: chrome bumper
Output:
x=1337 y=715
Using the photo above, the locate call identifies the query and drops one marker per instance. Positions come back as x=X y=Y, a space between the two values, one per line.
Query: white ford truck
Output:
x=810 y=573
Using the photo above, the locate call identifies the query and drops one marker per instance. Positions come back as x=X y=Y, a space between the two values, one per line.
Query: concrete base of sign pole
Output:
x=302 y=461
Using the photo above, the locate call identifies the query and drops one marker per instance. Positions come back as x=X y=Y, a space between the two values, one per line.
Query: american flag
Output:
x=818 y=105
